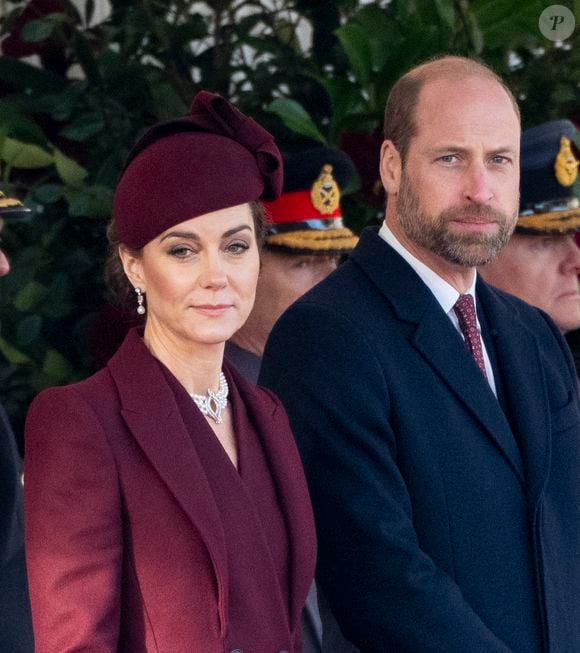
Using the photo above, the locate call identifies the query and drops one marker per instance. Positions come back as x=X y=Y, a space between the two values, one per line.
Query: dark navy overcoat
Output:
x=448 y=521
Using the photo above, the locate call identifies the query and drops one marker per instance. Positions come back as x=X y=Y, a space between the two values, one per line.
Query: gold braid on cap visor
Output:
x=557 y=222
x=313 y=240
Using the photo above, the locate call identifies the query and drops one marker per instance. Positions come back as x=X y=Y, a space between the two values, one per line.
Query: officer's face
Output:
x=283 y=279
x=458 y=190
x=543 y=271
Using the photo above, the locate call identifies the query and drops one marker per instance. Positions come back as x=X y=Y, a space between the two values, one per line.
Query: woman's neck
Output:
x=195 y=365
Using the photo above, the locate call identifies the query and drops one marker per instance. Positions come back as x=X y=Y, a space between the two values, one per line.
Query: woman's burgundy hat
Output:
x=214 y=158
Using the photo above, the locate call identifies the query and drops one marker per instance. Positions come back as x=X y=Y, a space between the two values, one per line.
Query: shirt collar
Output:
x=444 y=293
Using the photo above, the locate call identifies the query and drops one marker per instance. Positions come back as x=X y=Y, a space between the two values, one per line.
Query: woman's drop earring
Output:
x=140 y=308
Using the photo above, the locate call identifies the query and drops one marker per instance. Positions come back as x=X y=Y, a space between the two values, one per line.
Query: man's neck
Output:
x=457 y=276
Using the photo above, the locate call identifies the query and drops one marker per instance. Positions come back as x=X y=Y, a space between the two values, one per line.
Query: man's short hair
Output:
x=400 y=111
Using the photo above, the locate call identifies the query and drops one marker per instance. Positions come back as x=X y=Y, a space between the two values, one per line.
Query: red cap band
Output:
x=296 y=207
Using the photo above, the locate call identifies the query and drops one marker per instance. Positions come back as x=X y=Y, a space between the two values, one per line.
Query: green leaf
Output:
x=13 y=355
x=18 y=126
x=446 y=11
x=41 y=29
x=345 y=99
x=500 y=20
x=48 y=193
x=90 y=201
x=355 y=42
x=56 y=366
x=563 y=94
x=296 y=118
x=29 y=79
x=60 y=294
x=29 y=297
x=84 y=128
x=86 y=59
x=476 y=35
x=195 y=28
x=381 y=31
x=63 y=105
x=29 y=329
x=285 y=32
x=24 y=155
x=89 y=11
x=219 y=5
x=168 y=103
x=68 y=170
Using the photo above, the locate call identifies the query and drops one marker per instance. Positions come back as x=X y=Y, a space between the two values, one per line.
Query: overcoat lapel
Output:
x=276 y=438
x=525 y=388
x=437 y=340
x=451 y=359
x=150 y=411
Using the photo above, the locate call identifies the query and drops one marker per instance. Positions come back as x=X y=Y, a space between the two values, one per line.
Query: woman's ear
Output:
x=390 y=167
x=133 y=266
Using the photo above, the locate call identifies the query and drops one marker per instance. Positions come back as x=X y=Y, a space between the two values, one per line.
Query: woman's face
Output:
x=199 y=277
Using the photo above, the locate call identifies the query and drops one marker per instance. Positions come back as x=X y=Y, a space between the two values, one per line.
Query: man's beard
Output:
x=433 y=234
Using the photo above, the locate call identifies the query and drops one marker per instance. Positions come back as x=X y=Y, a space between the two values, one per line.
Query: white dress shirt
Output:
x=444 y=293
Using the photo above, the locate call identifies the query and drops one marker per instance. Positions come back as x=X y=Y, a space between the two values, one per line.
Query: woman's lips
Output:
x=212 y=309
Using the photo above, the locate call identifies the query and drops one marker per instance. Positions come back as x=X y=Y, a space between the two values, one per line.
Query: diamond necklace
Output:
x=213 y=403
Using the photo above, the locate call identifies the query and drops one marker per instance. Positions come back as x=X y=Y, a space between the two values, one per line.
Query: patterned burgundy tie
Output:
x=465 y=310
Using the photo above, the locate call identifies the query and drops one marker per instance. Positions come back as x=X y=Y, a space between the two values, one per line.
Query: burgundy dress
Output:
x=253 y=523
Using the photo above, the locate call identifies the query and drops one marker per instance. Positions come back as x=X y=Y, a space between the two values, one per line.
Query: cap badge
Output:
x=8 y=202
x=566 y=164
x=324 y=194
x=12 y=207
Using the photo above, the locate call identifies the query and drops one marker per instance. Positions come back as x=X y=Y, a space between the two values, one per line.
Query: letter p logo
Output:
x=556 y=20
x=557 y=23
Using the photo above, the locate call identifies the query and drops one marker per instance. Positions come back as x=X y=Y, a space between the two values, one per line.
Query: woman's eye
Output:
x=239 y=247
x=180 y=251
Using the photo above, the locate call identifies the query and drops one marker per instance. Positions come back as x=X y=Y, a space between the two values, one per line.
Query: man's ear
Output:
x=133 y=266
x=390 y=167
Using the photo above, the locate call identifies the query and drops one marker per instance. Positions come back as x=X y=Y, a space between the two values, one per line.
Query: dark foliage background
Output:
x=74 y=94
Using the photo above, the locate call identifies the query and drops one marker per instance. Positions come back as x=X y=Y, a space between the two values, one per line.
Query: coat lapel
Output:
x=450 y=358
x=525 y=387
x=276 y=438
x=151 y=413
x=437 y=341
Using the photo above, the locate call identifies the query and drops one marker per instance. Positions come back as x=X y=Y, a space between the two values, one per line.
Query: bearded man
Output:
x=437 y=417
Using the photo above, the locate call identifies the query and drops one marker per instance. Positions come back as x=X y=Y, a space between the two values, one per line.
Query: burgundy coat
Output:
x=125 y=549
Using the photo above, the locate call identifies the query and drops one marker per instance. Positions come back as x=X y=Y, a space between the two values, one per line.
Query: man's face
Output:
x=283 y=279
x=458 y=193
x=543 y=271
